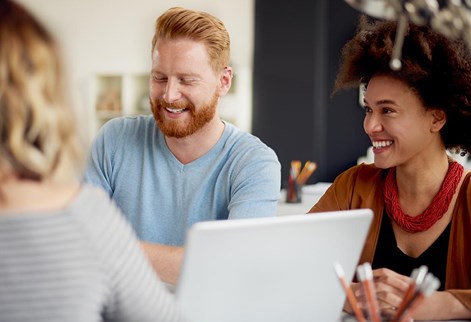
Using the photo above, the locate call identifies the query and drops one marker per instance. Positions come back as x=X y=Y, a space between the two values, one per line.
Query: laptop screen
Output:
x=270 y=269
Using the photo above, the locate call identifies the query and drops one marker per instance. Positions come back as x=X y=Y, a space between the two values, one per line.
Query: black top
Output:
x=388 y=255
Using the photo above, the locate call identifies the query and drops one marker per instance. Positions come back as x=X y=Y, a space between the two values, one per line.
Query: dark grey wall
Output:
x=297 y=48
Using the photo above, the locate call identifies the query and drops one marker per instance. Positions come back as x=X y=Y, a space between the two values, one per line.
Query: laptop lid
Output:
x=270 y=269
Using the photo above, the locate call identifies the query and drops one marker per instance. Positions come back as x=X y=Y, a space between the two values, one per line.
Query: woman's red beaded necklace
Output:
x=434 y=211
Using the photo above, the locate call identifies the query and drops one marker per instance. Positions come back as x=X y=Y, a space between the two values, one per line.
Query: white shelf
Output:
x=114 y=94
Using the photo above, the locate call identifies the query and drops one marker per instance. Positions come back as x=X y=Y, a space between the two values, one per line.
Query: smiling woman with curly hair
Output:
x=420 y=196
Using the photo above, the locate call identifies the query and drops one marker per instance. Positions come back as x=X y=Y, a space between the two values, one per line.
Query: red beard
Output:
x=180 y=129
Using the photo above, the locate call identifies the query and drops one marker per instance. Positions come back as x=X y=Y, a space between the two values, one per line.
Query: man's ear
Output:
x=438 y=120
x=225 y=80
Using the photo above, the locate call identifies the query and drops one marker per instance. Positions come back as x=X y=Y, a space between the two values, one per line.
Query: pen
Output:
x=348 y=291
x=417 y=277
x=295 y=168
x=365 y=276
x=429 y=285
x=306 y=172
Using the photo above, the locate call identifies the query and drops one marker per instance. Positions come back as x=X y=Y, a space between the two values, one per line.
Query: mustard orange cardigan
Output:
x=362 y=187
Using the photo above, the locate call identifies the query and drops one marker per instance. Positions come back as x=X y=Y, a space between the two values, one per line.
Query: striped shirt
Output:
x=82 y=263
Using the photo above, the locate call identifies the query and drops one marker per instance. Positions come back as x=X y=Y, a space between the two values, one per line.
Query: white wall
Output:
x=114 y=36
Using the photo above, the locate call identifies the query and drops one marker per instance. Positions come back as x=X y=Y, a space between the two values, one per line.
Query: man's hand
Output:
x=165 y=259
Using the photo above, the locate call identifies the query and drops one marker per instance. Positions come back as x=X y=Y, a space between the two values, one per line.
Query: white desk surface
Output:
x=311 y=194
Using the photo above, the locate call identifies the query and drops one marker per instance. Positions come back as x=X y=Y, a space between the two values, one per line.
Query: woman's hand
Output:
x=390 y=289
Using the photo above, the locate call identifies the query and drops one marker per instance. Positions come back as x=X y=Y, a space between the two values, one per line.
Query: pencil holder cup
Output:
x=294 y=192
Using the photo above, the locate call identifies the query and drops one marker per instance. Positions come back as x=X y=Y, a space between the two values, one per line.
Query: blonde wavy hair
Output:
x=178 y=22
x=37 y=130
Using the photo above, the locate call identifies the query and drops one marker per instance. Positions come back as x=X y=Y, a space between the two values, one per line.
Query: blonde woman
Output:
x=66 y=252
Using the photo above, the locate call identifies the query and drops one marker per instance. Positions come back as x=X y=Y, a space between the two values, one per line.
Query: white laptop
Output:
x=276 y=269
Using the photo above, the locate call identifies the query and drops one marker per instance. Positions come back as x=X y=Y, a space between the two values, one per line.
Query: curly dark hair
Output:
x=437 y=68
